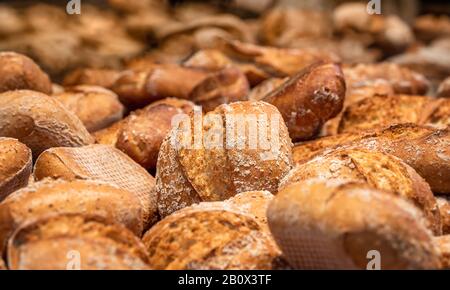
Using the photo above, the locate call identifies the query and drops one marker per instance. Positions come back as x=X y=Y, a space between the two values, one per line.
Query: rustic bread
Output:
x=263 y=89
x=443 y=244
x=18 y=72
x=444 y=89
x=444 y=208
x=310 y=98
x=104 y=163
x=334 y=224
x=95 y=106
x=92 y=77
x=380 y=171
x=209 y=239
x=15 y=166
x=40 y=122
x=73 y=241
x=79 y=196
x=223 y=165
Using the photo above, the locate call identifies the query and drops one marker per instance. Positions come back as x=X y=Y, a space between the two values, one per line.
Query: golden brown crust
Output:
x=443 y=244
x=220 y=169
x=40 y=122
x=333 y=224
x=93 y=77
x=380 y=171
x=444 y=208
x=202 y=238
x=18 y=72
x=96 y=107
x=309 y=99
x=104 y=163
x=90 y=242
x=15 y=167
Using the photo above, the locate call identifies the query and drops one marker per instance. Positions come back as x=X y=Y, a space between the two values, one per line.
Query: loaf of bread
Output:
x=380 y=171
x=230 y=158
x=335 y=225
x=444 y=208
x=74 y=242
x=92 y=77
x=40 y=121
x=443 y=244
x=444 y=89
x=95 y=106
x=103 y=163
x=15 y=166
x=79 y=196
x=310 y=98
x=380 y=111
x=18 y=72
x=264 y=88
x=209 y=239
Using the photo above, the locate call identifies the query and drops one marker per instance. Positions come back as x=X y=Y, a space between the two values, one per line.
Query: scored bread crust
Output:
x=380 y=171
x=47 y=243
x=79 y=196
x=444 y=208
x=104 y=163
x=40 y=122
x=334 y=224
x=208 y=237
x=15 y=166
x=186 y=176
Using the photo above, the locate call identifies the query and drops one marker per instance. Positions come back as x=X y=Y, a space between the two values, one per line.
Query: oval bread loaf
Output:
x=74 y=242
x=380 y=171
x=104 y=163
x=227 y=161
x=444 y=208
x=40 y=122
x=334 y=225
x=15 y=166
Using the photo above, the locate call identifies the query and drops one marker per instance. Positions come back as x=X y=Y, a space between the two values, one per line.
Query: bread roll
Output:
x=96 y=107
x=18 y=72
x=72 y=241
x=443 y=244
x=310 y=98
x=103 y=163
x=79 y=196
x=40 y=122
x=333 y=225
x=380 y=171
x=227 y=160
x=15 y=166
x=92 y=77
x=444 y=208
x=209 y=239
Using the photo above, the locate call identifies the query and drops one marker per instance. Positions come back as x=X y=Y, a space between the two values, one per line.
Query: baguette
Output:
x=209 y=239
x=96 y=107
x=381 y=171
x=189 y=173
x=40 y=122
x=18 y=72
x=92 y=77
x=334 y=224
x=15 y=166
x=443 y=243
x=103 y=163
x=444 y=208
x=73 y=241
x=92 y=197
x=444 y=89
x=310 y=98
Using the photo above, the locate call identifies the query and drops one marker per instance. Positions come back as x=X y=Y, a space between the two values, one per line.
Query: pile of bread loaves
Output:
x=240 y=156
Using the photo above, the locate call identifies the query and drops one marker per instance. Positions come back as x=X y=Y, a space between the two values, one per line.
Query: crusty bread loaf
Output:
x=310 y=98
x=208 y=59
x=15 y=166
x=104 y=163
x=443 y=203
x=333 y=225
x=79 y=196
x=92 y=77
x=72 y=241
x=222 y=164
x=96 y=107
x=209 y=239
x=381 y=171
x=443 y=244
x=18 y=72
x=40 y=122
x=263 y=89
x=444 y=89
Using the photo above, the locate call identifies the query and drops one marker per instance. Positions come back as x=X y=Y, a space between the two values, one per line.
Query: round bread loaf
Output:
x=15 y=166
x=227 y=160
x=381 y=171
x=72 y=241
x=40 y=122
x=336 y=225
